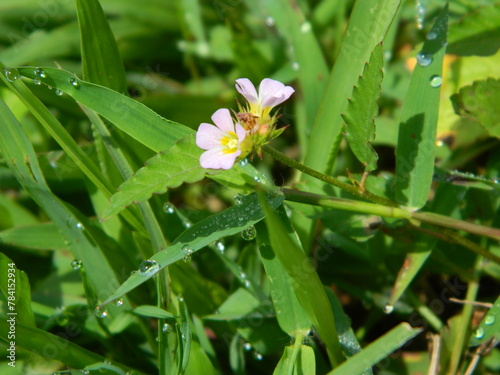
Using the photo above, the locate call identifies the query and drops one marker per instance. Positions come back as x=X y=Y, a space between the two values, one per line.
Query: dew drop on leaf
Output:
x=479 y=333
x=248 y=234
x=168 y=208
x=489 y=319
x=100 y=312
x=74 y=82
x=148 y=268
x=388 y=309
x=76 y=264
x=436 y=81
x=11 y=74
x=424 y=59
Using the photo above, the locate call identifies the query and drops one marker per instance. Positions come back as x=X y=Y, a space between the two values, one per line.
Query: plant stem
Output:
x=328 y=179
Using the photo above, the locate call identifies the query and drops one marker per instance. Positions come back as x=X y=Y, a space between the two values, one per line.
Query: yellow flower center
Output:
x=230 y=142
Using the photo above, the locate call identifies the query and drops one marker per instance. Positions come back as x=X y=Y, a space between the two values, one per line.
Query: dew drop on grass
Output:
x=420 y=15
x=424 y=59
x=258 y=356
x=247 y=346
x=489 y=319
x=238 y=199
x=168 y=208
x=270 y=21
x=431 y=35
x=39 y=72
x=305 y=27
x=295 y=66
x=219 y=245
x=37 y=81
x=166 y=328
x=248 y=234
x=436 y=81
x=388 y=309
x=119 y=302
x=79 y=226
x=244 y=162
x=247 y=283
x=74 y=82
x=148 y=268
x=12 y=74
x=479 y=333
x=58 y=92
x=100 y=312
x=76 y=264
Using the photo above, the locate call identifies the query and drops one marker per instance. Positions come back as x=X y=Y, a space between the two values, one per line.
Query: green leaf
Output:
x=417 y=130
x=15 y=296
x=290 y=314
x=489 y=326
x=226 y=223
x=362 y=109
x=47 y=345
x=303 y=364
x=169 y=169
x=153 y=312
x=127 y=114
x=477 y=33
x=44 y=236
x=101 y=62
x=377 y=350
x=306 y=282
x=479 y=102
x=366 y=29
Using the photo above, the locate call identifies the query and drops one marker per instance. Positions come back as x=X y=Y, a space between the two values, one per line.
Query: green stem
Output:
x=345 y=204
x=328 y=179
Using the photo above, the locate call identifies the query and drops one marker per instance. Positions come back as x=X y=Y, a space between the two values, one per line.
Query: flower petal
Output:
x=246 y=88
x=241 y=133
x=216 y=158
x=208 y=136
x=272 y=92
x=222 y=118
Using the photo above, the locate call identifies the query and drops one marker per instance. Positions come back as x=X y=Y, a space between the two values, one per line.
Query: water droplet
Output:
x=119 y=302
x=58 y=92
x=148 y=268
x=183 y=337
x=76 y=264
x=12 y=74
x=187 y=258
x=257 y=356
x=166 y=328
x=244 y=162
x=432 y=35
x=270 y=21
x=489 y=319
x=157 y=339
x=295 y=66
x=479 y=333
x=436 y=81
x=180 y=299
x=420 y=15
x=305 y=27
x=187 y=224
x=247 y=283
x=257 y=179
x=424 y=59
x=248 y=234
x=107 y=362
x=74 y=82
x=444 y=43
x=238 y=199
x=187 y=250
x=36 y=81
x=100 y=312
x=79 y=225
x=219 y=245
x=40 y=73
x=247 y=346
x=388 y=309
x=168 y=208
x=85 y=372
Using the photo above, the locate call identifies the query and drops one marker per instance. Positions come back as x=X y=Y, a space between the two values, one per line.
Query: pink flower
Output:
x=271 y=93
x=222 y=141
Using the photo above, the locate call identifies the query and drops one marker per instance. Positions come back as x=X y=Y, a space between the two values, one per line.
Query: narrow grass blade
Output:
x=377 y=350
x=15 y=296
x=153 y=312
x=231 y=221
x=366 y=29
x=134 y=118
x=417 y=130
x=489 y=326
x=290 y=314
x=294 y=361
x=44 y=236
x=362 y=109
x=306 y=282
x=44 y=344
x=101 y=61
